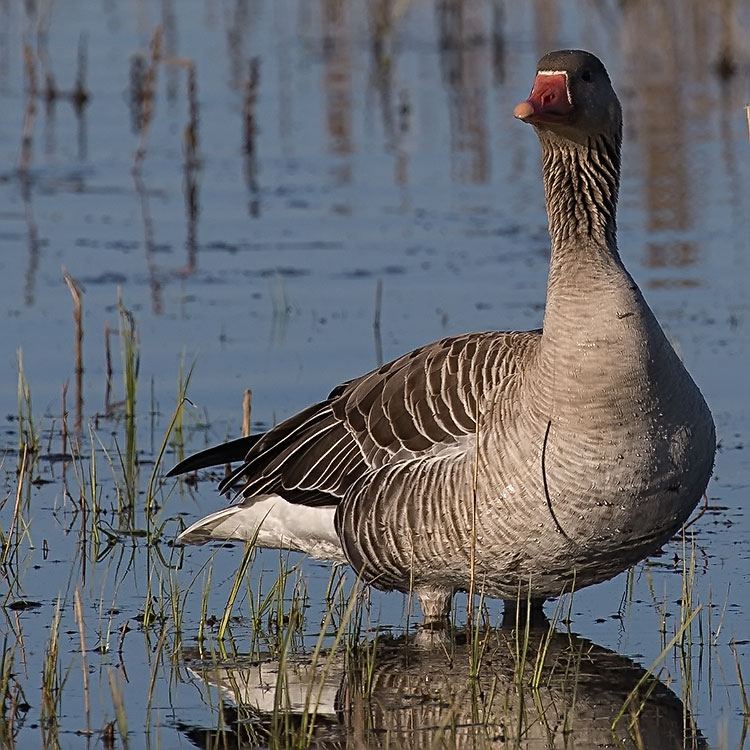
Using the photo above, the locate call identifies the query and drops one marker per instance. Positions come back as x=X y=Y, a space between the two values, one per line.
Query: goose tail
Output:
x=271 y=521
x=226 y=453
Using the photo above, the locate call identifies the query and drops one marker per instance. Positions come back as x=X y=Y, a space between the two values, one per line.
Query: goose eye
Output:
x=586 y=75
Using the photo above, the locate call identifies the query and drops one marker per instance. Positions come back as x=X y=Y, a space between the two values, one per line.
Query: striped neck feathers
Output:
x=581 y=183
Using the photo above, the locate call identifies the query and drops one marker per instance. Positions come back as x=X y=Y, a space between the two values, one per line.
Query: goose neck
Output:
x=581 y=182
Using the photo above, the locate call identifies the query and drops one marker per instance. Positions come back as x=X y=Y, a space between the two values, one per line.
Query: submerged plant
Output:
x=28 y=431
x=13 y=704
x=130 y=353
x=52 y=683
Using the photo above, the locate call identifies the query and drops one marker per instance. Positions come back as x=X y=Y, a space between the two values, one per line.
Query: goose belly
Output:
x=583 y=509
x=565 y=511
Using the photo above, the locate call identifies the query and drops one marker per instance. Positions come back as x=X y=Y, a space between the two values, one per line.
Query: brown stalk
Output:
x=79 y=618
x=14 y=520
x=108 y=367
x=246 y=411
x=376 y=322
x=76 y=291
x=473 y=559
x=64 y=428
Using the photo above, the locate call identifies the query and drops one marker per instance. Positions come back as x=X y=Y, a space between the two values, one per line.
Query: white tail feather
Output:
x=278 y=524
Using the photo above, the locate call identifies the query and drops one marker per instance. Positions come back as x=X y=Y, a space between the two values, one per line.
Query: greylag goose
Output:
x=533 y=461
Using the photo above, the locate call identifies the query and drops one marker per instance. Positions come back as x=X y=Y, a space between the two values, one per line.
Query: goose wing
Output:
x=419 y=404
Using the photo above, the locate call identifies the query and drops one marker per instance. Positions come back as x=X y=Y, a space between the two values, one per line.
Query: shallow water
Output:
x=395 y=163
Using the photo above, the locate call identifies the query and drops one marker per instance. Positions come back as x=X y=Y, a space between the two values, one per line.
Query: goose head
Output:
x=572 y=98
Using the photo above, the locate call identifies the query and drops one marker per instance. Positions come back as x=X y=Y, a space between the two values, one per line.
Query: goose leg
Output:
x=515 y=610
x=436 y=605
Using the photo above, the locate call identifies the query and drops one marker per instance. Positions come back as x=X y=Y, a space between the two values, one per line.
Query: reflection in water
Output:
x=37 y=63
x=546 y=25
x=666 y=73
x=463 y=54
x=171 y=47
x=384 y=16
x=498 y=43
x=143 y=77
x=410 y=697
x=192 y=166
x=241 y=17
x=192 y=212
x=250 y=128
x=149 y=245
x=733 y=101
x=337 y=84
x=33 y=238
x=80 y=98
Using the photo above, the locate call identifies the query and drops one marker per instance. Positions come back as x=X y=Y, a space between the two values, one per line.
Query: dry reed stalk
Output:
x=14 y=521
x=246 y=411
x=108 y=367
x=84 y=535
x=76 y=291
x=740 y=680
x=376 y=322
x=121 y=644
x=473 y=550
x=118 y=704
x=107 y=735
x=18 y=631
x=410 y=595
x=157 y=660
x=64 y=428
x=81 y=630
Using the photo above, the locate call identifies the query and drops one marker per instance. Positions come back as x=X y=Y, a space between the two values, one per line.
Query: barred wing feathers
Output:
x=417 y=405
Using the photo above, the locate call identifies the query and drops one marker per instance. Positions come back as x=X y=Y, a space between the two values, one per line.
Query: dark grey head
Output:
x=573 y=97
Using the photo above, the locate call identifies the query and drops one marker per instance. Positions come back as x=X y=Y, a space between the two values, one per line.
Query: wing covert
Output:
x=418 y=404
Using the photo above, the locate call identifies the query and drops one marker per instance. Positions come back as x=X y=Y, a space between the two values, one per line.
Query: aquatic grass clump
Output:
x=288 y=677
x=9 y=546
x=741 y=683
x=13 y=703
x=130 y=352
x=118 y=704
x=53 y=683
x=28 y=432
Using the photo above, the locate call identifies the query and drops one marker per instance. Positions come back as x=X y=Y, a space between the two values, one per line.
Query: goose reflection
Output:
x=462 y=694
